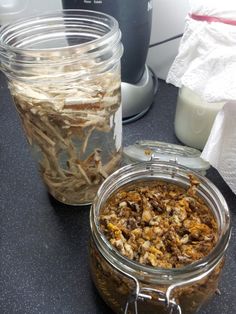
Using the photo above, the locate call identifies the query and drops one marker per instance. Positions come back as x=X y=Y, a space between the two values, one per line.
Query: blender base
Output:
x=138 y=98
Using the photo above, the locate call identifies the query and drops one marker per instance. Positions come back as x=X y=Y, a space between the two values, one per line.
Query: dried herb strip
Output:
x=63 y=123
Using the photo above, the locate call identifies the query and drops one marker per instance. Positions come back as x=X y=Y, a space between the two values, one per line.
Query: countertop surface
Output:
x=44 y=244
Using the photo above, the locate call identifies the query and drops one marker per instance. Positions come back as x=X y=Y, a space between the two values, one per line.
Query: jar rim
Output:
x=67 y=45
x=126 y=265
x=37 y=19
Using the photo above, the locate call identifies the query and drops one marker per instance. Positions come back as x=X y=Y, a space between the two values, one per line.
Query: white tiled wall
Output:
x=168 y=20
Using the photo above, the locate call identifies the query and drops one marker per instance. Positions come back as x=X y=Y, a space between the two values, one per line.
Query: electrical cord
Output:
x=165 y=40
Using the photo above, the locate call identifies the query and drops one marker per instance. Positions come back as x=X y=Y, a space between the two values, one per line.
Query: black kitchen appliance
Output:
x=135 y=18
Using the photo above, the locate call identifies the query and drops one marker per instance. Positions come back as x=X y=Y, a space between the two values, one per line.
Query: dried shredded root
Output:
x=59 y=124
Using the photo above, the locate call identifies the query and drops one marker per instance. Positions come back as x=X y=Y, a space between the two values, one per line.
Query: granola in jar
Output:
x=159 y=224
x=155 y=241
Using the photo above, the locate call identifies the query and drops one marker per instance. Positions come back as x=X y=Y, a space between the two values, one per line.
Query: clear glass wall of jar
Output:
x=63 y=71
x=129 y=287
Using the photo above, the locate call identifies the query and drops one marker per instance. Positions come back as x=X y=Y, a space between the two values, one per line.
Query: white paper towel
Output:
x=220 y=149
x=206 y=61
x=206 y=64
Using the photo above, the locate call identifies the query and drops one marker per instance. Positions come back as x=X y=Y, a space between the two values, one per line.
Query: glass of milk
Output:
x=194 y=118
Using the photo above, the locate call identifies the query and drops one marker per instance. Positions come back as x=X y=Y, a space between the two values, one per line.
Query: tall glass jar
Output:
x=130 y=287
x=63 y=71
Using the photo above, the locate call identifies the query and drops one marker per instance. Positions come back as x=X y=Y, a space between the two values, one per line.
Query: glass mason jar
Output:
x=194 y=118
x=63 y=71
x=130 y=287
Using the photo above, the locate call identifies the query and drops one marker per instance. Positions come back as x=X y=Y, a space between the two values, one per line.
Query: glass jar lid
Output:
x=145 y=150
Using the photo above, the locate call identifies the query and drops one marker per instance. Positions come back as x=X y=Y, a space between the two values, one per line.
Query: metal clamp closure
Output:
x=141 y=294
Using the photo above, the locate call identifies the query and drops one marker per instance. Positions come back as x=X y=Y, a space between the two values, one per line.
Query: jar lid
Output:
x=147 y=150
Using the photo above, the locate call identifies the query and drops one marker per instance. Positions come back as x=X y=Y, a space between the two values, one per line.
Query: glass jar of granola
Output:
x=63 y=71
x=159 y=233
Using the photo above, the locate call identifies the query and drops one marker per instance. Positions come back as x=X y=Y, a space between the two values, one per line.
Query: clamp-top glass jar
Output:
x=131 y=287
x=64 y=75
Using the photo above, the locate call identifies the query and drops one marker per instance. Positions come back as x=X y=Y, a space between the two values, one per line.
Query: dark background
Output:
x=44 y=244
